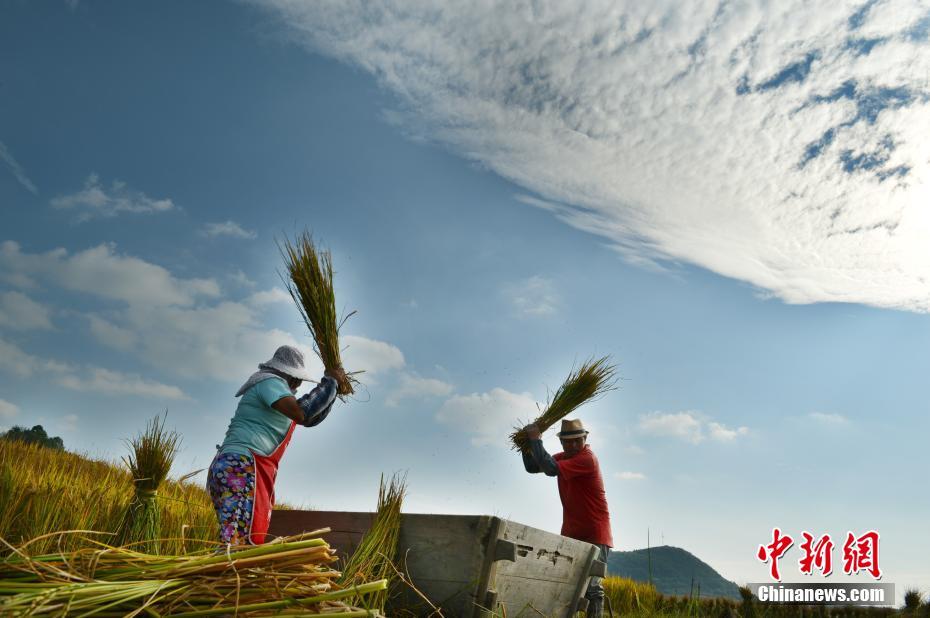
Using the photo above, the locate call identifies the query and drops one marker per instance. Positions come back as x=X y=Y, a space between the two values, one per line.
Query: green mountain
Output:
x=673 y=571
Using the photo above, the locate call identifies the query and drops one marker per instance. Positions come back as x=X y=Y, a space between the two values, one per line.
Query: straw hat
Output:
x=289 y=361
x=572 y=429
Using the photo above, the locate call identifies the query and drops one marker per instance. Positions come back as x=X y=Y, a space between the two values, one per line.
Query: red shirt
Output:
x=584 y=503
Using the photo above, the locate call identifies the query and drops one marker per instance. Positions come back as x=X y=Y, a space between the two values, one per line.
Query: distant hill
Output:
x=673 y=569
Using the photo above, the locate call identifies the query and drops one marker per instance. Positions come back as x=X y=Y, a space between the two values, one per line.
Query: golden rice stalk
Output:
x=151 y=454
x=309 y=281
x=289 y=576
x=377 y=551
x=592 y=380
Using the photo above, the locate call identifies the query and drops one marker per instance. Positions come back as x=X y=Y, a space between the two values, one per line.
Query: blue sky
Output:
x=507 y=190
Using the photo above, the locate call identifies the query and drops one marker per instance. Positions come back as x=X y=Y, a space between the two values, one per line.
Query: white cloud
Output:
x=490 y=417
x=68 y=422
x=782 y=144
x=102 y=272
x=94 y=200
x=7 y=157
x=180 y=326
x=725 y=434
x=19 y=312
x=107 y=382
x=269 y=297
x=828 y=418
x=87 y=378
x=682 y=425
x=688 y=426
x=241 y=279
x=14 y=361
x=227 y=228
x=630 y=476
x=8 y=411
x=369 y=355
x=225 y=341
x=413 y=386
x=112 y=335
x=535 y=296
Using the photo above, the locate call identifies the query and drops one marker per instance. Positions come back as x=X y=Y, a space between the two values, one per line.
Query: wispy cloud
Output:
x=115 y=336
x=778 y=144
x=15 y=361
x=19 y=312
x=94 y=200
x=630 y=476
x=828 y=418
x=181 y=326
x=269 y=297
x=371 y=356
x=227 y=228
x=413 y=386
x=83 y=378
x=108 y=382
x=535 y=296
x=487 y=418
x=688 y=426
x=102 y=271
x=8 y=411
x=7 y=157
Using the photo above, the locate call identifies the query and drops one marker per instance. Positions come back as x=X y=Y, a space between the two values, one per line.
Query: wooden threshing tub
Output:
x=469 y=565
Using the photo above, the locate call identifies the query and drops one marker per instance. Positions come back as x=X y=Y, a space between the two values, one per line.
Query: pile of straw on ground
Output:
x=290 y=576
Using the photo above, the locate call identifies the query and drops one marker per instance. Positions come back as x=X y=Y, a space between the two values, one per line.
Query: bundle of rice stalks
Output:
x=590 y=381
x=286 y=577
x=310 y=283
x=151 y=454
x=376 y=553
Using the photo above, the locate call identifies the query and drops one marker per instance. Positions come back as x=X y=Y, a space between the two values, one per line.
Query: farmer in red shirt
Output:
x=581 y=490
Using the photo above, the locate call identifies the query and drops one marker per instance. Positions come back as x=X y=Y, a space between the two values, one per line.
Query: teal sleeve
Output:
x=269 y=391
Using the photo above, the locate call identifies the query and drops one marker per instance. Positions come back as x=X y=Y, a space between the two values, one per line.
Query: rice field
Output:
x=632 y=598
x=44 y=490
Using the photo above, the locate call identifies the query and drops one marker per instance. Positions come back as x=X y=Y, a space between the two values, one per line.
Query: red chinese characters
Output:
x=861 y=554
x=819 y=554
x=775 y=550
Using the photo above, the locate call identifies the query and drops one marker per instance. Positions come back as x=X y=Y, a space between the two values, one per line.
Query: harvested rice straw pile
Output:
x=289 y=576
x=310 y=283
x=590 y=381
x=151 y=454
x=377 y=551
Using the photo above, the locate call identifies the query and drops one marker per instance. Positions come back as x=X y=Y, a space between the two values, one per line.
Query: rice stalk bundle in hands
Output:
x=151 y=454
x=377 y=551
x=309 y=281
x=590 y=381
x=279 y=578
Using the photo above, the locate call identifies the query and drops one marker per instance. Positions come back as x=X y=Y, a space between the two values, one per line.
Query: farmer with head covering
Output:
x=241 y=476
x=581 y=490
